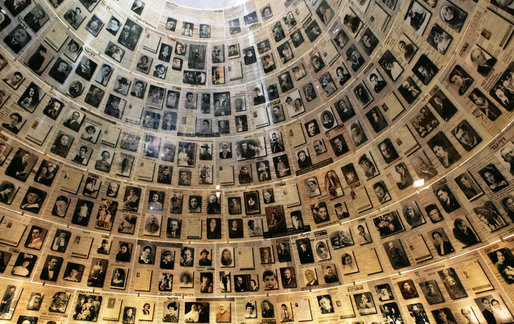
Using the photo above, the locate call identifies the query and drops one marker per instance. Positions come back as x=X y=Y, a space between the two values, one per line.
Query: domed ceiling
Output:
x=256 y=162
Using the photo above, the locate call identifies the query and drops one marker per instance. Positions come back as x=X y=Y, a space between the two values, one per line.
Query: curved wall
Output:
x=271 y=162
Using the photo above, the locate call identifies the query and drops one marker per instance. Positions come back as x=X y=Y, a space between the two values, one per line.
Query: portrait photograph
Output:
x=424 y=122
x=362 y=94
x=24 y=265
x=114 y=51
x=425 y=69
x=322 y=250
x=10 y=300
x=417 y=17
x=408 y=289
x=439 y=39
x=384 y=292
x=368 y=41
x=60 y=240
x=33 y=200
x=312 y=187
x=252 y=202
x=452 y=283
x=466 y=135
x=152 y=225
x=349 y=263
x=501 y=95
x=35 y=300
x=503 y=260
x=36 y=237
x=468 y=186
x=227 y=257
x=432 y=293
x=167 y=259
x=464 y=232
x=165 y=281
x=173 y=228
x=405 y=48
x=364 y=303
x=94 y=25
x=443 y=106
x=441 y=242
x=493 y=178
x=312 y=30
x=51 y=268
x=275 y=219
x=8 y=191
x=328 y=84
x=490 y=216
x=396 y=254
x=443 y=149
x=235 y=228
x=186 y=279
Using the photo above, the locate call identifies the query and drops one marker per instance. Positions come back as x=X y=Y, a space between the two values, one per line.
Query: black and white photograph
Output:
x=490 y=216
x=412 y=214
x=361 y=92
x=390 y=64
x=8 y=191
x=424 y=122
x=352 y=22
x=396 y=254
x=464 y=232
x=493 y=178
x=24 y=265
x=365 y=303
x=439 y=39
x=354 y=58
x=460 y=80
x=409 y=90
x=36 y=18
x=452 y=283
x=130 y=34
x=14 y=79
x=484 y=104
x=60 y=70
x=468 y=186
x=388 y=224
x=443 y=149
x=425 y=69
x=94 y=25
x=74 y=16
x=368 y=41
x=503 y=262
x=33 y=200
x=114 y=51
x=417 y=17
x=483 y=61
x=9 y=301
x=327 y=84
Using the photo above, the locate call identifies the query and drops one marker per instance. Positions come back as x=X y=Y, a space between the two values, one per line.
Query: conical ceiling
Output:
x=256 y=162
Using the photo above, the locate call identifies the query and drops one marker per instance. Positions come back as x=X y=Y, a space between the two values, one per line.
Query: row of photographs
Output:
x=203 y=122
x=171 y=116
x=23 y=162
x=249 y=262
x=129 y=35
x=344 y=107
x=333 y=185
x=384 y=225
x=458 y=283
x=329 y=185
x=38 y=58
x=424 y=123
